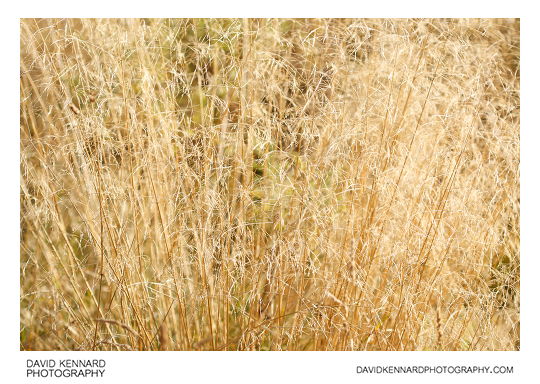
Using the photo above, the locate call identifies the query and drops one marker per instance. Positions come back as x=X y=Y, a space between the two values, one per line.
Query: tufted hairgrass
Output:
x=269 y=184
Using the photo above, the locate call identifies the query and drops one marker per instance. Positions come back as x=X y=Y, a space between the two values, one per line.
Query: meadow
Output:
x=269 y=184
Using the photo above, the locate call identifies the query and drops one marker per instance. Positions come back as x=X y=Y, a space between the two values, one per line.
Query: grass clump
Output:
x=269 y=184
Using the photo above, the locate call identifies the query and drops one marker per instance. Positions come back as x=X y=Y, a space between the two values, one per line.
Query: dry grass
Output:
x=270 y=184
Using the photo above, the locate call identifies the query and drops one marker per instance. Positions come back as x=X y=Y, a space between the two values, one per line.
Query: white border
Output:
x=271 y=8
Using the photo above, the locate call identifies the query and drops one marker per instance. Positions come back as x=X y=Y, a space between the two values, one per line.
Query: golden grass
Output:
x=270 y=184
